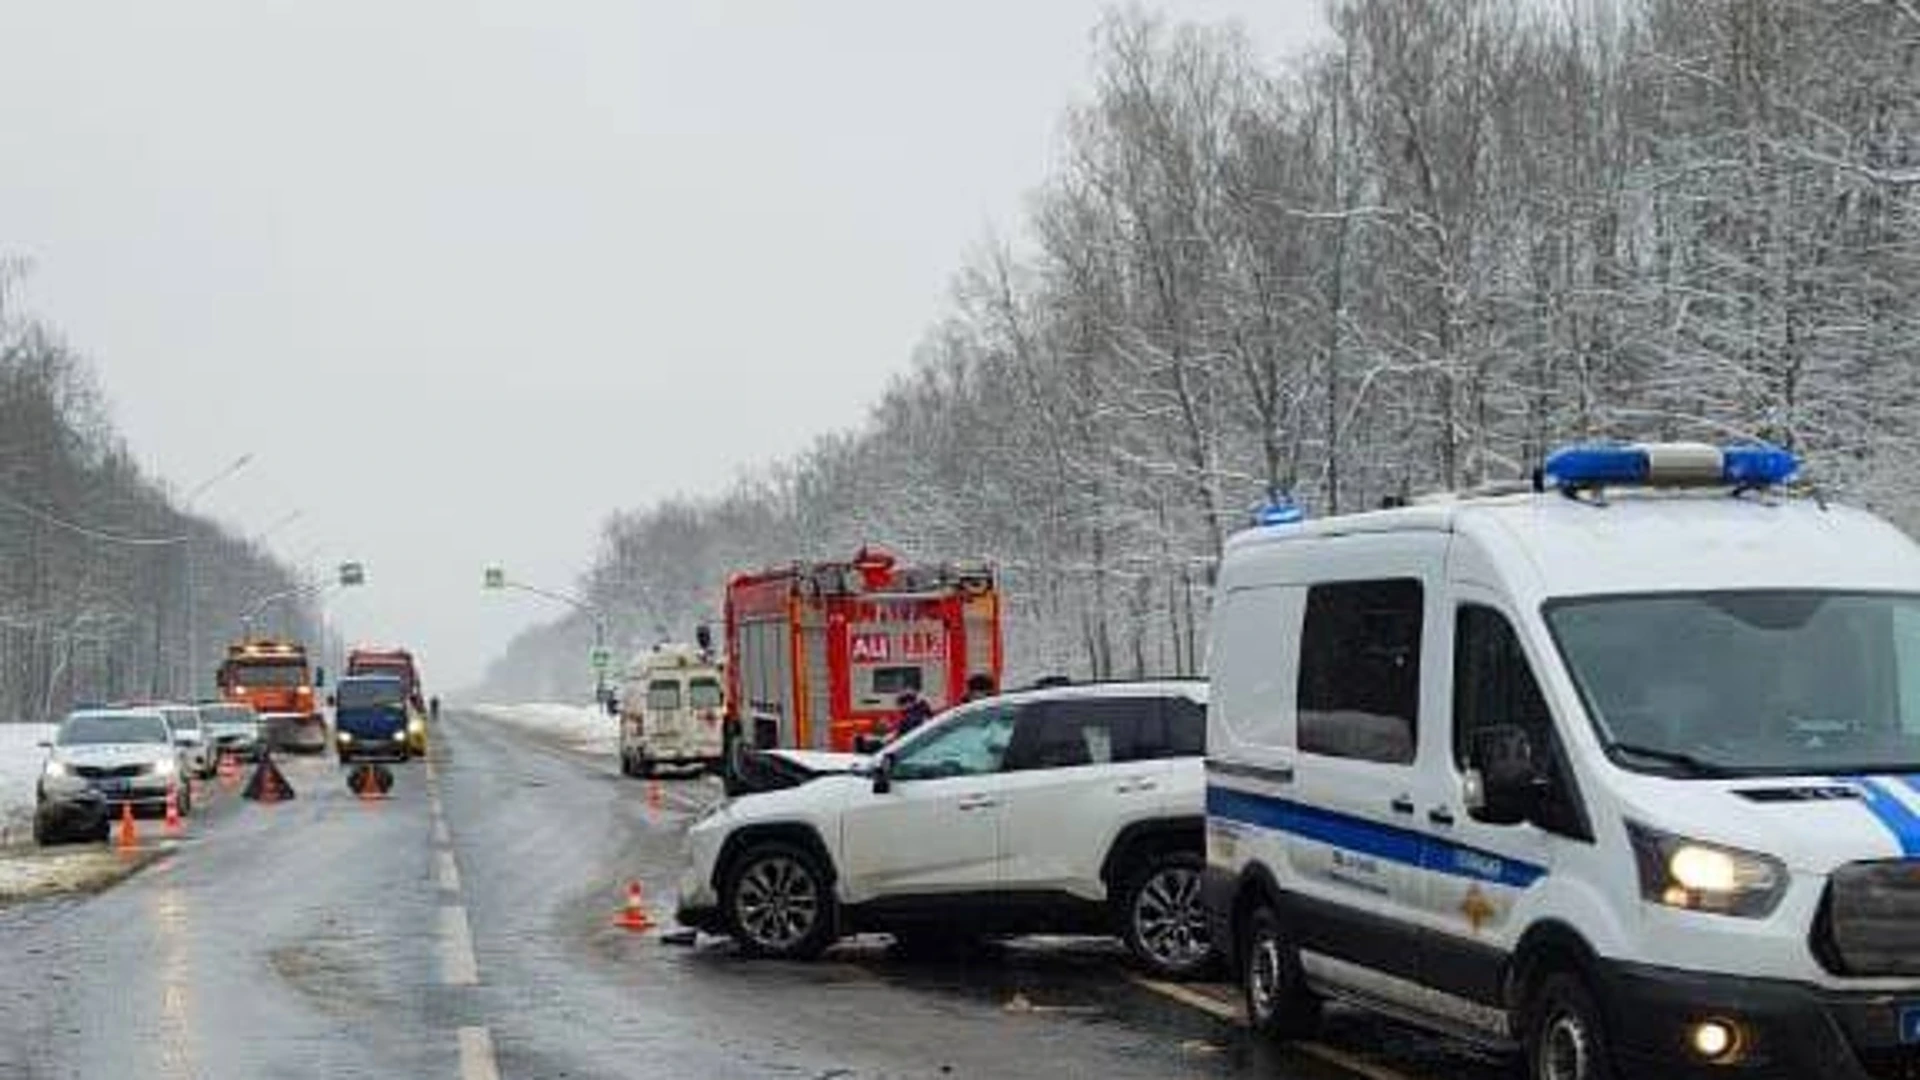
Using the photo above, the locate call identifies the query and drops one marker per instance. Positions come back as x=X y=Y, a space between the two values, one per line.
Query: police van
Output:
x=1619 y=770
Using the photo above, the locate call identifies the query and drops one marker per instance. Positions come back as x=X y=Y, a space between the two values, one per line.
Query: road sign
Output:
x=352 y=573
x=601 y=657
x=496 y=578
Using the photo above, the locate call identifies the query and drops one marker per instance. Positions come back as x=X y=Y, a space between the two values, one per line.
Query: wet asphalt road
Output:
x=463 y=928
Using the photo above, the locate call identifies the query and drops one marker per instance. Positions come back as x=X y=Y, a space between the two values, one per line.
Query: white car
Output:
x=1067 y=810
x=113 y=757
x=184 y=720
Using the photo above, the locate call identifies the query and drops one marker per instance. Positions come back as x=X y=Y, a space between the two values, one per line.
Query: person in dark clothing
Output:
x=979 y=685
x=914 y=711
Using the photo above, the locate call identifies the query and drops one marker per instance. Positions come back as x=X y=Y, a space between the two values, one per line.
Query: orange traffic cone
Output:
x=229 y=771
x=369 y=788
x=173 y=809
x=655 y=797
x=633 y=916
x=129 y=832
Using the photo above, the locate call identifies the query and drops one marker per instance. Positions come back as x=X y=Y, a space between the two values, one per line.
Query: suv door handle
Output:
x=1402 y=805
x=1440 y=815
x=1130 y=787
x=978 y=802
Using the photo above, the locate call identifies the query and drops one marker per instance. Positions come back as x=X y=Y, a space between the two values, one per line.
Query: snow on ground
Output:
x=582 y=727
x=21 y=759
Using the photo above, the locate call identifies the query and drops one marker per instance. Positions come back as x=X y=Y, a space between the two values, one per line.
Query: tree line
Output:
x=101 y=572
x=1453 y=235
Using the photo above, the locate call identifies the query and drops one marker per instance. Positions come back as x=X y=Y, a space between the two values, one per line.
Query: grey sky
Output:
x=467 y=275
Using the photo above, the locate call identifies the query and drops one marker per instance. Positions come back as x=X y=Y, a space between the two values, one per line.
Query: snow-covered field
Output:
x=21 y=759
x=582 y=727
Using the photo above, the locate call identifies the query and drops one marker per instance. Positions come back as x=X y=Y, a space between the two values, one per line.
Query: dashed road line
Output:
x=457 y=964
x=446 y=874
x=476 y=1055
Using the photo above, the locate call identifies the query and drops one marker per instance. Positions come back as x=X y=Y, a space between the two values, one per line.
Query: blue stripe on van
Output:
x=1899 y=818
x=1387 y=842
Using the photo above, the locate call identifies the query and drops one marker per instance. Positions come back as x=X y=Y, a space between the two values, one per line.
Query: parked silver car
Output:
x=185 y=722
x=119 y=756
x=230 y=728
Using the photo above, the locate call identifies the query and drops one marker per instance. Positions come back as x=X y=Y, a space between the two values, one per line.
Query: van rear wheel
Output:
x=1279 y=1005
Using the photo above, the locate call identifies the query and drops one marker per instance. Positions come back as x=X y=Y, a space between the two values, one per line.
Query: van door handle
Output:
x=1440 y=815
x=1402 y=805
x=978 y=802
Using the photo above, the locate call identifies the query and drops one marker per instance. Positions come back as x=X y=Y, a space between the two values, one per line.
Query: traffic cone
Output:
x=173 y=809
x=229 y=771
x=129 y=832
x=655 y=797
x=369 y=786
x=633 y=916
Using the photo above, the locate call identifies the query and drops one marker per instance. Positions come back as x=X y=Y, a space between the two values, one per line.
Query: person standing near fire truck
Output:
x=914 y=711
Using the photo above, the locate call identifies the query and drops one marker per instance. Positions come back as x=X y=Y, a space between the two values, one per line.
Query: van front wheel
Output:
x=1565 y=1037
x=1279 y=1005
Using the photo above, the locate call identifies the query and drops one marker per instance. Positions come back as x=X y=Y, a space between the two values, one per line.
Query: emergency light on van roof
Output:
x=1280 y=510
x=1757 y=465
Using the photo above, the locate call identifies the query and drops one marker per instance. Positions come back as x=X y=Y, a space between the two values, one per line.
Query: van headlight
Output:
x=1694 y=875
x=58 y=768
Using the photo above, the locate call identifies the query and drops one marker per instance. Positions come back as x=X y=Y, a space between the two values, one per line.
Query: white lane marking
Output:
x=1212 y=1006
x=457 y=964
x=445 y=873
x=476 y=1055
x=1230 y=1013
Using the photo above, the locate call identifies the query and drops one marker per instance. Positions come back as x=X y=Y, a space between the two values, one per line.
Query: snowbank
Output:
x=581 y=727
x=21 y=760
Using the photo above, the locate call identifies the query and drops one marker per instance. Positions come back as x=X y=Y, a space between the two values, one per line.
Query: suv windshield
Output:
x=1749 y=683
x=96 y=729
x=366 y=693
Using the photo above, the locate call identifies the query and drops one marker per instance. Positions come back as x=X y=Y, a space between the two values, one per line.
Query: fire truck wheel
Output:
x=778 y=903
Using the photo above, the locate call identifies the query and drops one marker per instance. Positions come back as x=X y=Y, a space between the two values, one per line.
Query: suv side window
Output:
x=1069 y=732
x=974 y=745
x=1174 y=727
x=1359 y=690
x=1494 y=685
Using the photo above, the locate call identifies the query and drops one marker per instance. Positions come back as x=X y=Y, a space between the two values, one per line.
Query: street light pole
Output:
x=192 y=582
x=496 y=578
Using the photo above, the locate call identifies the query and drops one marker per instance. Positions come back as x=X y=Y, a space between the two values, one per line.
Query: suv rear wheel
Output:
x=1279 y=1005
x=1164 y=919
x=778 y=903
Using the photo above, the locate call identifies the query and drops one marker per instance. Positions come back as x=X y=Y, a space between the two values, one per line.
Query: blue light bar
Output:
x=1281 y=510
x=1755 y=465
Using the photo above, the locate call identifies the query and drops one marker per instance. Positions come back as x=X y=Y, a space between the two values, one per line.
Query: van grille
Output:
x=1870 y=925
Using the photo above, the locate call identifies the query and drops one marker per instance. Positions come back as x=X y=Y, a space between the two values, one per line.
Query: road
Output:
x=464 y=928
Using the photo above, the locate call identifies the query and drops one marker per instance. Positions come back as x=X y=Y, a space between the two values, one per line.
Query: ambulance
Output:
x=1617 y=770
x=672 y=707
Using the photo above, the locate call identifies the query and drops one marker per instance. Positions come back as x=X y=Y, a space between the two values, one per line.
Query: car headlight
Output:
x=1694 y=875
x=58 y=768
x=345 y=736
x=165 y=767
x=399 y=736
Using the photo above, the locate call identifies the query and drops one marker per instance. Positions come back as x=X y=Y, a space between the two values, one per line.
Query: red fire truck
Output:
x=819 y=653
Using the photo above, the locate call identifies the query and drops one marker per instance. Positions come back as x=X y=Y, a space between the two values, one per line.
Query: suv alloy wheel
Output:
x=1165 y=919
x=778 y=903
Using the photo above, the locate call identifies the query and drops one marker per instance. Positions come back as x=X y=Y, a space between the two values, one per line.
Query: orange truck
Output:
x=275 y=679
x=819 y=653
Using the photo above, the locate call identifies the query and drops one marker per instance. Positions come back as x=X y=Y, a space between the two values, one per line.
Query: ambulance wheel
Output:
x=645 y=767
x=1565 y=1038
x=1279 y=1005
x=626 y=764
x=778 y=902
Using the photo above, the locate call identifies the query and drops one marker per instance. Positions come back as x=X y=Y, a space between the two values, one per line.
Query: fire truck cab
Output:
x=820 y=653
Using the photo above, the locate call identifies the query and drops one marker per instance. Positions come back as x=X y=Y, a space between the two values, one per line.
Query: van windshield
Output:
x=363 y=692
x=1749 y=683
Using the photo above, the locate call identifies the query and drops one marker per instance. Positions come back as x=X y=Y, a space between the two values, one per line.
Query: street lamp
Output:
x=192 y=583
x=347 y=575
x=495 y=580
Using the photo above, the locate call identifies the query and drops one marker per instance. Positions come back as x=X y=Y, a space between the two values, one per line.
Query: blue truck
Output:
x=370 y=718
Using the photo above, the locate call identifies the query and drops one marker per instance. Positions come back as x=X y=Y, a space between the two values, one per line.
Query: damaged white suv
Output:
x=1071 y=809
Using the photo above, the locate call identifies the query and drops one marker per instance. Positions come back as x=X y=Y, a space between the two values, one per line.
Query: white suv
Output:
x=1075 y=809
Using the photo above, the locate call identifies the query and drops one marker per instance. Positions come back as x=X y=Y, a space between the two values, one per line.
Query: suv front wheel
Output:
x=1164 y=916
x=778 y=902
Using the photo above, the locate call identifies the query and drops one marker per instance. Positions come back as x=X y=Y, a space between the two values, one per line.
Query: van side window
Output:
x=1494 y=685
x=1360 y=670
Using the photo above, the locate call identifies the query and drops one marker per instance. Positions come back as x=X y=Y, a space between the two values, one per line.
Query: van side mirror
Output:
x=883 y=775
x=330 y=702
x=320 y=676
x=1505 y=783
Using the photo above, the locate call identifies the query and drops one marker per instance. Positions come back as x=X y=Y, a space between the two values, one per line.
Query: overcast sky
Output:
x=464 y=276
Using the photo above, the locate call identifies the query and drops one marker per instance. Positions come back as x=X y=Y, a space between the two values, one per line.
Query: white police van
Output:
x=1620 y=769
